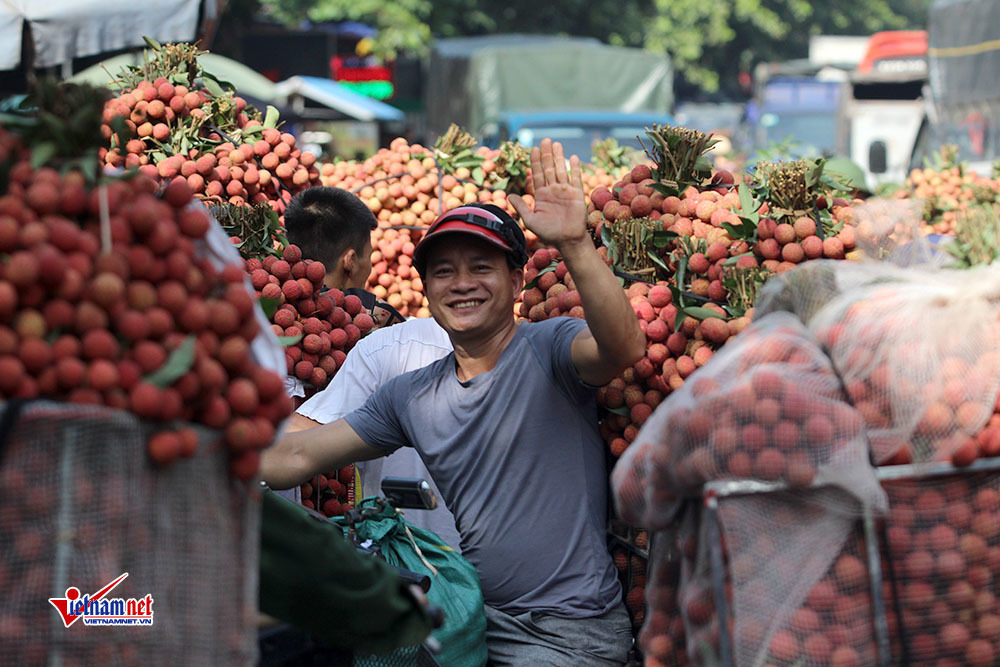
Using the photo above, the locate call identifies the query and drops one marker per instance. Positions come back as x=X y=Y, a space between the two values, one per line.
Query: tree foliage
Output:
x=709 y=42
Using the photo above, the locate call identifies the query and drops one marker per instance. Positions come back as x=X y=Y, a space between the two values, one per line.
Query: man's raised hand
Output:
x=560 y=213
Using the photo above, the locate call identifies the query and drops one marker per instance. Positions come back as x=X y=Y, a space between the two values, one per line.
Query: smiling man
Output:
x=507 y=424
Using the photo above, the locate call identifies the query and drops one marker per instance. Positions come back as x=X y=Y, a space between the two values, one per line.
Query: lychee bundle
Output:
x=939 y=559
x=745 y=415
x=130 y=312
x=321 y=325
x=924 y=392
x=948 y=190
x=331 y=493
x=178 y=123
x=631 y=569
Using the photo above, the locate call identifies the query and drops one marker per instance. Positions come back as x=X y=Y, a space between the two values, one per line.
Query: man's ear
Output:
x=517 y=278
x=349 y=261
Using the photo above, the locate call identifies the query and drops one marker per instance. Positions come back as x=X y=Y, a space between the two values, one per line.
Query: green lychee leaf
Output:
x=534 y=281
x=42 y=153
x=621 y=410
x=177 y=364
x=269 y=306
x=152 y=43
x=288 y=341
x=699 y=313
x=732 y=260
x=271 y=117
x=212 y=86
x=662 y=238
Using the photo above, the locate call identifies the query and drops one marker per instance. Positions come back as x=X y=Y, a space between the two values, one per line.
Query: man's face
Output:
x=470 y=287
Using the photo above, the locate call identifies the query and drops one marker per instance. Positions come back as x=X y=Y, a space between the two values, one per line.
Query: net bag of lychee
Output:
x=158 y=563
x=918 y=350
x=767 y=407
x=941 y=566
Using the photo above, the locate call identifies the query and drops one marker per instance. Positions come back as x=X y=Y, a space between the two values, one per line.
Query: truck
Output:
x=884 y=105
x=963 y=105
x=492 y=86
x=796 y=106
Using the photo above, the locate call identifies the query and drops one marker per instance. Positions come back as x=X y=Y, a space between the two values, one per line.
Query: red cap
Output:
x=480 y=222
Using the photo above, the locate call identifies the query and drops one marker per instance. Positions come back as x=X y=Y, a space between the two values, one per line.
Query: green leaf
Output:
x=269 y=306
x=271 y=117
x=534 y=281
x=659 y=261
x=732 y=260
x=178 y=79
x=679 y=319
x=152 y=43
x=288 y=341
x=700 y=313
x=663 y=237
x=178 y=363
x=42 y=153
x=622 y=410
x=477 y=175
x=747 y=203
x=212 y=86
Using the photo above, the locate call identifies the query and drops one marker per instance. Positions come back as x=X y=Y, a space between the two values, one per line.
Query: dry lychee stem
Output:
x=634 y=241
x=679 y=154
x=786 y=182
x=744 y=285
x=977 y=235
x=453 y=140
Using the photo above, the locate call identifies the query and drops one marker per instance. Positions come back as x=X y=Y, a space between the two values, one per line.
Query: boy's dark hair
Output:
x=324 y=222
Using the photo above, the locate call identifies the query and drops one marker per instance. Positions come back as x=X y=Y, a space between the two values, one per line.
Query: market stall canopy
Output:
x=333 y=96
x=61 y=30
x=248 y=83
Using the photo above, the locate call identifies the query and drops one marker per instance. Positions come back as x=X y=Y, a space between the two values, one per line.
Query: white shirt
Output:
x=377 y=358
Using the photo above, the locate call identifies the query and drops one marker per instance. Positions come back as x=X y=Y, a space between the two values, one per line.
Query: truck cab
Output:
x=885 y=107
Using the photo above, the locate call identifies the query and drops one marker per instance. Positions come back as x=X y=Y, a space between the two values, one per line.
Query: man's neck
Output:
x=474 y=357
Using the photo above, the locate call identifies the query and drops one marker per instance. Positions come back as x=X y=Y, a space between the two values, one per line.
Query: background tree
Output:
x=709 y=42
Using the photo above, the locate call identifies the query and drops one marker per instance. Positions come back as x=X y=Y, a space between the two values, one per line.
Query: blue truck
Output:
x=801 y=113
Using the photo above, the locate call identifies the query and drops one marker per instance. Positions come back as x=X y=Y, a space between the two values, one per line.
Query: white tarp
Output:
x=66 y=29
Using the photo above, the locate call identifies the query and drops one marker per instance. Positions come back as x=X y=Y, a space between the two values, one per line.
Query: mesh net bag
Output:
x=80 y=505
x=918 y=351
x=767 y=407
x=941 y=565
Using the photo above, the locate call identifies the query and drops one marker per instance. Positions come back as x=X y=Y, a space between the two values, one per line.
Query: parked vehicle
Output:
x=577 y=130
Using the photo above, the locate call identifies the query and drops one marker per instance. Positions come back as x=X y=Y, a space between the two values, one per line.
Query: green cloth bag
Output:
x=454 y=586
x=313 y=578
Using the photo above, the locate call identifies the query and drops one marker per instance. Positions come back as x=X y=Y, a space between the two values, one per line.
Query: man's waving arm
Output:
x=612 y=340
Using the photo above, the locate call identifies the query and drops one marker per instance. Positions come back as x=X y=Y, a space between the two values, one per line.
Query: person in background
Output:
x=333 y=226
x=507 y=424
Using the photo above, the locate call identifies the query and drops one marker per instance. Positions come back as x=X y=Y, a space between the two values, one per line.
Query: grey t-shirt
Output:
x=518 y=458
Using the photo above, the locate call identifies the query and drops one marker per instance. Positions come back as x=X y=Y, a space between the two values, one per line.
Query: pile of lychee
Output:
x=322 y=324
x=92 y=312
x=173 y=132
x=330 y=493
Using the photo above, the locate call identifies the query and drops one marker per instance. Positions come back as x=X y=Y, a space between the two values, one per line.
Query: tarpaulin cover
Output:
x=964 y=50
x=471 y=80
x=66 y=29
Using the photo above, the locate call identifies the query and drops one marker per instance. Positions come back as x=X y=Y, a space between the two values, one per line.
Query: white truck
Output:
x=884 y=107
